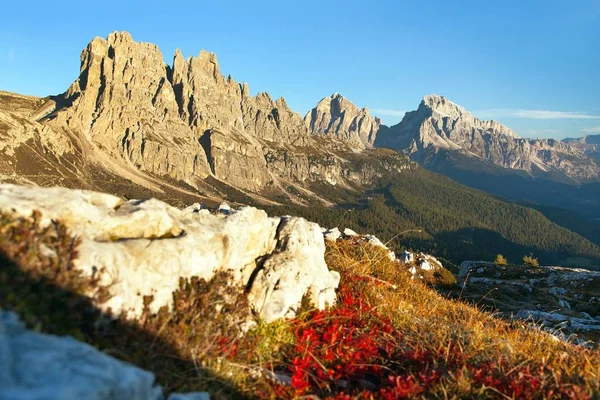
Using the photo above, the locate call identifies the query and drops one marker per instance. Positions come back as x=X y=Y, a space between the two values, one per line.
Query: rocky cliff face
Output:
x=336 y=117
x=589 y=144
x=440 y=125
x=124 y=105
x=147 y=122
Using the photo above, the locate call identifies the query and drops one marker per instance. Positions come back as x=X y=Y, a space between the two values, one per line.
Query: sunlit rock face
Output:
x=338 y=118
x=143 y=248
x=440 y=125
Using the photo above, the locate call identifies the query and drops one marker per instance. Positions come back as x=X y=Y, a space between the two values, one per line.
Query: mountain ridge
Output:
x=439 y=124
x=589 y=144
x=132 y=125
x=138 y=118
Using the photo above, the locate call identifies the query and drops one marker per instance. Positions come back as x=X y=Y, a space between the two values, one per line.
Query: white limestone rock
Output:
x=195 y=208
x=427 y=262
x=407 y=257
x=564 y=304
x=224 y=208
x=37 y=366
x=568 y=323
x=558 y=291
x=332 y=234
x=142 y=248
x=378 y=243
x=296 y=267
x=349 y=232
x=467 y=266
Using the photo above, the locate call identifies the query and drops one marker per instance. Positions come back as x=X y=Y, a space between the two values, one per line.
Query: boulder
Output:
x=407 y=257
x=294 y=269
x=564 y=304
x=37 y=366
x=224 y=208
x=378 y=243
x=467 y=266
x=558 y=291
x=427 y=262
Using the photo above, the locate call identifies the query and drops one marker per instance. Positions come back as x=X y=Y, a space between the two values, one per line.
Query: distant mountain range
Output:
x=134 y=126
x=444 y=137
x=439 y=125
x=589 y=144
x=130 y=122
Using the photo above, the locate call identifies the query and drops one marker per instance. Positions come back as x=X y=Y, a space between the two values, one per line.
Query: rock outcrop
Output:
x=36 y=366
x=440 y=125
x=560 y=300
x=124 y=104
x=337 y=117
x=142 y=248
x=416 y=264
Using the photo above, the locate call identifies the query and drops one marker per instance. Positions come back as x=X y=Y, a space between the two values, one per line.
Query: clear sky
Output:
x=532 y=65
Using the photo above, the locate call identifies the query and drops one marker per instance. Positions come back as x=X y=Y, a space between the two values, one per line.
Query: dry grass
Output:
x=390 y=336
x=432 y=323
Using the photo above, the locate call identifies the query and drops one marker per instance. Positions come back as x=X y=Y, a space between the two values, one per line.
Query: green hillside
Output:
x=457 y=222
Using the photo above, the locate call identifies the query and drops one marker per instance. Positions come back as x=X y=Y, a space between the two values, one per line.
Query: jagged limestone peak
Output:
x=336 y=116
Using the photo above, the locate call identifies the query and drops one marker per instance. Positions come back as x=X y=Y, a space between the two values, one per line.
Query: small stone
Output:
x=332 y=234
x=224 y=208
x=407 y=257
x=564 y=304
x=558 y=291
x=349 y=232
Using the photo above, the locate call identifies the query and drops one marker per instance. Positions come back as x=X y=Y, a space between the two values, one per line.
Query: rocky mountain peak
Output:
x=439 y=125
x=443 y=106
x=125 y=107
x=337 y=117
x=207 y=62
x=185 y=121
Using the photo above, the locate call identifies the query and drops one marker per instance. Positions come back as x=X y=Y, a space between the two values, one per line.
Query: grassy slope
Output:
x=428 y=345
x=388 y=337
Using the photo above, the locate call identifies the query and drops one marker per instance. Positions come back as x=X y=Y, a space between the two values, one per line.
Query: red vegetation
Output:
x=353 y=352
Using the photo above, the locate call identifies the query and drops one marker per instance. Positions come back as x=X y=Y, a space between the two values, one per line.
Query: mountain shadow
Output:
x=512 y=185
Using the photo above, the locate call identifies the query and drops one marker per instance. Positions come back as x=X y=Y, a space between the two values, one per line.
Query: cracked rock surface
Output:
x=143 y=247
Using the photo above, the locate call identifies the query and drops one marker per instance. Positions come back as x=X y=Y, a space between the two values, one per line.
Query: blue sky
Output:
x=532 y=65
